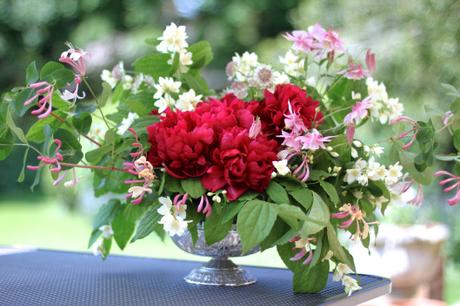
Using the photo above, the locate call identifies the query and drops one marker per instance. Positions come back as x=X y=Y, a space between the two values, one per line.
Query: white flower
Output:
x=164 y=102
x=354 y=153
x=376 y=91
x=280 y=78
x=263 y=76
x=126 y=123
x=106 y=230
x=350 y=284
x=107 y=77
x=292 y=64
x=244 y=65
x=98 y=248
x=352 y=175
x=173 y=39
x=340 y=271
x=375 y=171
x=166 y=86
x=394 y=173
x=127 y=82
x=376 y=150
x=137 y=191
x=328 y=256
x=188 y=100
x=216 y=199
x=166 y=205
x=282 y=167
x=185 y=60
x=173 y=225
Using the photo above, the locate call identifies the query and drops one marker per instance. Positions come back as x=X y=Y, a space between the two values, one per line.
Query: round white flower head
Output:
x=173 y=225
x=188 y=100
x=166 y=86
x=173 y=39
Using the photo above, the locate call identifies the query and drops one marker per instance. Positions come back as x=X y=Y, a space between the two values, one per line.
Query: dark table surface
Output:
x=44 y=277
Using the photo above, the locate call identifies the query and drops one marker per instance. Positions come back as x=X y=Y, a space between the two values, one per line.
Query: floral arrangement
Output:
x=275 y=153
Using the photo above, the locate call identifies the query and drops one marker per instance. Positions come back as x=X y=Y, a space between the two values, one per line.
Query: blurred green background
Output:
x=417 y=45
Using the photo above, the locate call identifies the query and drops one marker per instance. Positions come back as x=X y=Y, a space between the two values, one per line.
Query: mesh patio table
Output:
x=43 y=277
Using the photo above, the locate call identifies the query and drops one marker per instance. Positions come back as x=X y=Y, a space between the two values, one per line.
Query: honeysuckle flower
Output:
x=255 y=128
x=313 y=140
x=350 y=284
x=73 y=182
x=454 y=182
x=138 y=193
x=302 y=172
x=355 y=72
x=304 y=245
x=281 y=166
x=43 y=91
x=173 y=39
x=370 y=61
x=107 y=231
x=53 y=162
x=164 y=102
x=294 y=122
x=73 y=95
x=166 y=85
x=173 y=219
x=411 y=133
x=204 y=206
x=76 y=58
x=358 y=112
x=180 y=205
x=188 y=100
x=340 y=271
x=354 y=215
x=126 y=123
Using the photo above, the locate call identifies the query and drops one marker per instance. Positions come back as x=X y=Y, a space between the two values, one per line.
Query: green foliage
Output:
x=32 y=74
x=277 y=193
x=201 y=54
x=215 y=228
x=319 y=214
x=255 y=221
x=193 y=187
x=155 y=65
x=55 y=73
x=147 y=224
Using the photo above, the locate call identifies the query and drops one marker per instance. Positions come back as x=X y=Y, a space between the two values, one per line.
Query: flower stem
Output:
x=97 y=102
x=86 y=136
x=22 y=145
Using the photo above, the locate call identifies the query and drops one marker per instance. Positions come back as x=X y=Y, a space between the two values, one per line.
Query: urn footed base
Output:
x=220 y=272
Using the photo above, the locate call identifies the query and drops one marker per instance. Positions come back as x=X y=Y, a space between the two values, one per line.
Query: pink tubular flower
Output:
x=255 y=128
x=53 y=162
x=204 y=206
x=404 y=186
x=73 y=95
x=411 y=133
x=302 y=172
x=370 y=61
x=293 y=121
x=454 y=180
x=304 y=246
x=358 y=112
x=75 y=58
x=302 y=40
x=355 y=72
x=179 y=200
x=43 y=91
x=354 y=214
x=313 y=140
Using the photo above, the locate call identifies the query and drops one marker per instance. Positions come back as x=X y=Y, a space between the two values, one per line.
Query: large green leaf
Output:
x=155 y=65
x=36 y=132
x=32 y=73
x=311 y=279
x=291 y=214
x=147 y=224
x=277 y=193
x=280 y=234
x=14 y=129
x=319 y=213
x=215 y=229
x=124 y=223
x=331 y=191
x=255 y=220
x=106 y=213
x=303 y=196
x=56 y=73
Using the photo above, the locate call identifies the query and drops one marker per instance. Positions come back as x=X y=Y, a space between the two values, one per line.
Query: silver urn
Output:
x=219 y=271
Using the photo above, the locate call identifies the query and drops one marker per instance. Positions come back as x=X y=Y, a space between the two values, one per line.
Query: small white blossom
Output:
x=280 y=78
x=173 y=39
x=292 y=64
x=394 y=173
x=107 y=231
x=340 y=271
x=98 y=248
x=107 y=77
x=173 y=222
x=350 y=284
x=185 y=60
x=126 y=123
x=127 y=82
x=164 y=102
x=137 y=191
x=282 y=167
x=166 y=86
x=188 y=100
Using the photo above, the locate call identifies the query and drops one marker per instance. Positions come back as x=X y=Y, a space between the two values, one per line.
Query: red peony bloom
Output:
x=275 y=106
x=179 y=142
x=240 y=163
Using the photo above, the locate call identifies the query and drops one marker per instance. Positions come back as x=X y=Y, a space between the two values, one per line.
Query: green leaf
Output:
x=331 y=191
x=201 y=54
x=311 y=279
x=195 y=81
x=193 y=187
x=71 y=147
x=319 y=212
x=215 y=229
x=303 y=196
x=31 y=73
x=56 y=73
x=232 y=210
x=280 y=234
x=291 y=215
x=337 y=249
x=173 y=185
x=24 y=161
x=123 y=225
x=22 y=96
x=96 y=155
x=277 y=193
x=155 y=65
x=6 y=141
x=82 y=123
x=35 y=132
x=254 y=223
x=95 y=234
x=106 y=213
x=147 y=224
x=14 y=129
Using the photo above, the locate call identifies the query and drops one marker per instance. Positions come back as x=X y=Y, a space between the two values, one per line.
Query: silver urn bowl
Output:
x=219 y=271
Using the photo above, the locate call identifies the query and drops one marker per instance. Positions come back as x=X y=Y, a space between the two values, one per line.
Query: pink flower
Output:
x=354 y=215
x=204 y=206
x=304 y=246
x=313 y=140
x=45 y=103
x=73 y=95
x=370 y=61
x=358 y=112
x=75 y=58
x=412 y=132
x=255 y=128
x=355 y=72
x=51 y=161
x=303 y=40
x=455 y=180
x=302 y=172
x=293 y=121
